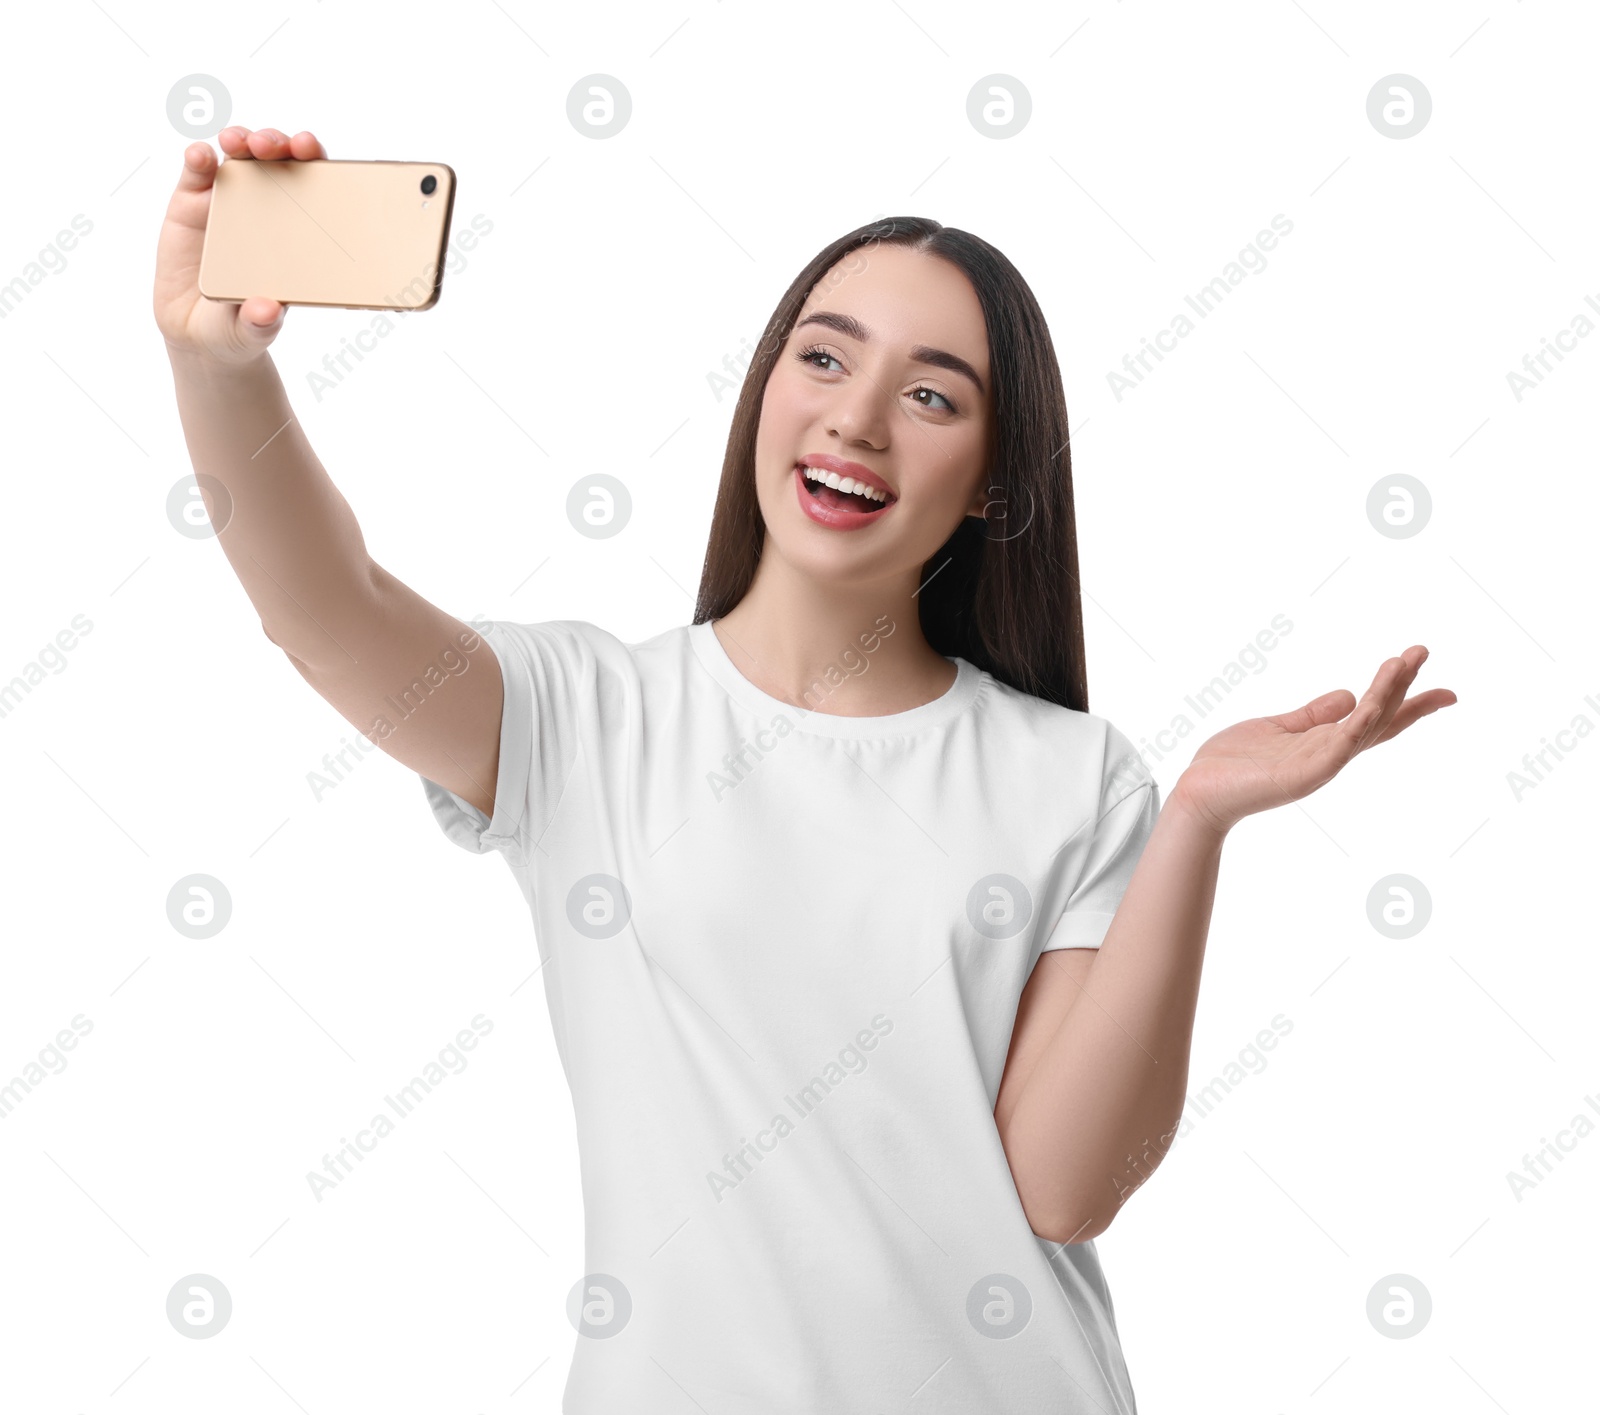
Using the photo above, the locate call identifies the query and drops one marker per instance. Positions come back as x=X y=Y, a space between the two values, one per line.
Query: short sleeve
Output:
x=549 y=672
x=1130 y=802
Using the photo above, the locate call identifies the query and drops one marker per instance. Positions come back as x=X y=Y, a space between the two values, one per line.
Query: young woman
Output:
x=872 y=954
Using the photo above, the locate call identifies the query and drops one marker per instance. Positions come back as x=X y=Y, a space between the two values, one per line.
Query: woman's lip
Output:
x=834 y=517
x=825 y=462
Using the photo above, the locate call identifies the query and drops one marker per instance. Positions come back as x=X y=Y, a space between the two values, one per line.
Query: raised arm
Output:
x=374 y=648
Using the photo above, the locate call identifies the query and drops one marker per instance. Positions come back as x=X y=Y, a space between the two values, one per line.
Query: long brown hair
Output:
x=1001 y=592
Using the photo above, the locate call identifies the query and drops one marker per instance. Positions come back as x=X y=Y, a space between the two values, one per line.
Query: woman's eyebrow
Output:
x=853 y=328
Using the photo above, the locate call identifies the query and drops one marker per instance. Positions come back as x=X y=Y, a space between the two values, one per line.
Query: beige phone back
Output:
x=350 y=234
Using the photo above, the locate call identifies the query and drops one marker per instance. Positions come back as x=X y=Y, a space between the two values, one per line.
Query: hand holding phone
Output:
x=198 y=321
x=191 y=324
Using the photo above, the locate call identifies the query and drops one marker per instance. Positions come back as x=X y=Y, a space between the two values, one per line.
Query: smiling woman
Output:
x=951 y=843
x=896 y=495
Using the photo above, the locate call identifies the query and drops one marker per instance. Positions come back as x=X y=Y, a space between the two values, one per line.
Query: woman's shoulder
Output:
x=1090 y=741
x=583 y=653
x=582 y=635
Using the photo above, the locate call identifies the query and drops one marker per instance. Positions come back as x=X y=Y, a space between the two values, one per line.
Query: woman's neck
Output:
x=865 y=650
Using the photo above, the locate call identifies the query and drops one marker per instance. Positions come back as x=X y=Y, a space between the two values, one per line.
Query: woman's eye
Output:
x=807 y=355
x=935 y=392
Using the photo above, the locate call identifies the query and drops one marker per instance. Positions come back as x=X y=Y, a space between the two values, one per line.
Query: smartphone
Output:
x=349 y=234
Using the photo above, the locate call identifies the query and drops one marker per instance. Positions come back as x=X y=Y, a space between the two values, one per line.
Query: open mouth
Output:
x=865 y=502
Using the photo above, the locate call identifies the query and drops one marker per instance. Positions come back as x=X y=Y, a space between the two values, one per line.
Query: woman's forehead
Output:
x=900 y=298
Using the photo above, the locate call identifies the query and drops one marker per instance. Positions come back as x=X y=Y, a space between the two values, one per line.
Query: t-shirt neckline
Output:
x=708 y=648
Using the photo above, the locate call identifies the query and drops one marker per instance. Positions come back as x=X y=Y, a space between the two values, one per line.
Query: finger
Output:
x=1394 y=695
x=234 y=142
x=306 y=147
x=1345 y=741
x=269 y=145
x=1356 y=730
x=1417 y=707
x=199 y=167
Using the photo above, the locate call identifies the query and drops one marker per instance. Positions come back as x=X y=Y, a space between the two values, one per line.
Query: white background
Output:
x=1229 y=487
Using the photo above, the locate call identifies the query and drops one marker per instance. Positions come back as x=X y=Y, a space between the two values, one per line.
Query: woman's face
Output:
x=887 y=367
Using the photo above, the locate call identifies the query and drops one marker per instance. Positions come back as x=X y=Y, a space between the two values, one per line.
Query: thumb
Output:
x=259 y=321
x=1330 y=707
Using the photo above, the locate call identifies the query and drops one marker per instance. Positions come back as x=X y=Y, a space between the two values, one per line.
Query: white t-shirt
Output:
x=783 y=953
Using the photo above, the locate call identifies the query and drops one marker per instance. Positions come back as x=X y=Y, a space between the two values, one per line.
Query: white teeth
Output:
x=844 y=484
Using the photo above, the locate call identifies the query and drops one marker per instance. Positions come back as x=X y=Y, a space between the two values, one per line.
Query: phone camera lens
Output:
x=428 y=184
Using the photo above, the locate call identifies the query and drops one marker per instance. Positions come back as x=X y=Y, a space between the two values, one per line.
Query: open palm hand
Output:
x=1270 y=761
